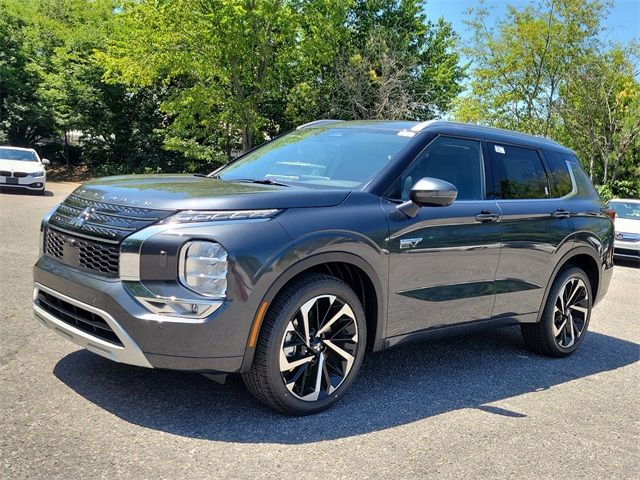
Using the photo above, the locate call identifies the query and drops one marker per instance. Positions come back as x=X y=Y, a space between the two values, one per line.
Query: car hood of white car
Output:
x=21 y=166
x=627 y=225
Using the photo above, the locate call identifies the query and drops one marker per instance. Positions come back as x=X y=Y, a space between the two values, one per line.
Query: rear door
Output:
x=536 y=226
x=443 y=261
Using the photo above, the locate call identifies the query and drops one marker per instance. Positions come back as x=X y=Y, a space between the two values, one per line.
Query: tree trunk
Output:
x=66 y=149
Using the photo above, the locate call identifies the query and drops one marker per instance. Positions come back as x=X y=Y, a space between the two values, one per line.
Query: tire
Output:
x=281 y=345
x=560 y=333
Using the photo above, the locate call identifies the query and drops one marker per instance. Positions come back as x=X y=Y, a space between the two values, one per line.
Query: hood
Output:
x=627 y=225
x=188 y=192
x=20 y=166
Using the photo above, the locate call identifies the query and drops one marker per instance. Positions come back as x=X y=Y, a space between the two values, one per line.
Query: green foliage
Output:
x=25 y=117
x=241 y=71
x=619 y=189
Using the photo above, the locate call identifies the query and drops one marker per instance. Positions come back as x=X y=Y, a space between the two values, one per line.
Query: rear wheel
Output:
x=565 y=317
x=310 y=347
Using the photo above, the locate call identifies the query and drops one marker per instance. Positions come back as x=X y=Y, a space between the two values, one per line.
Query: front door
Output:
x=443 y=262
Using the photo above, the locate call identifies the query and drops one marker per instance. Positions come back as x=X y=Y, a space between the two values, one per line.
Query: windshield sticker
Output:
x=499 y=149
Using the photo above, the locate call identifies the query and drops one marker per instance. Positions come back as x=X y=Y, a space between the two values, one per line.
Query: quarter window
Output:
x=561 y=184
x=519 y=173
x=455 y=160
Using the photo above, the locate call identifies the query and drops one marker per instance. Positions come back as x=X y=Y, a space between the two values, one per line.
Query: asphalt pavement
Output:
x=478 y=406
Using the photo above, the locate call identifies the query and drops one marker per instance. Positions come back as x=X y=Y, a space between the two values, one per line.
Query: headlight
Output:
x=36 y=174
x=203 y=268
x=194 y=216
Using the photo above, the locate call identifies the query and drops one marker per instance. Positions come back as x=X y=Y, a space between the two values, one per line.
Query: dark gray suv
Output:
x=289 y=263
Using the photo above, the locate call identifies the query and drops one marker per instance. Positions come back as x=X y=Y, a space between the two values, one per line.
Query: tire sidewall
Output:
x=324 y=287
x=548 y=311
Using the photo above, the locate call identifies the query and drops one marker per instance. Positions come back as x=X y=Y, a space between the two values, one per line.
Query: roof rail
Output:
x=418 y=127
x=316 y=123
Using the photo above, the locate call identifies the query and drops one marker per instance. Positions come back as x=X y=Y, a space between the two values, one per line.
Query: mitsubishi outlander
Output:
x=292 y=262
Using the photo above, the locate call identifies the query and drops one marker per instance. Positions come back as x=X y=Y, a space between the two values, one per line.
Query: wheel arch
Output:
x=583 y=258
x=350 y=268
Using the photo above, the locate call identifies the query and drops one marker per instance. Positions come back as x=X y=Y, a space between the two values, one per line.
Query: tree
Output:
x=25 y=117
x=521 y=62
x=223 y=59
x=600 y=109
x=389 y=61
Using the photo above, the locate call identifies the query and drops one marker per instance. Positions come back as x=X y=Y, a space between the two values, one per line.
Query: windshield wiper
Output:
x=263 y=181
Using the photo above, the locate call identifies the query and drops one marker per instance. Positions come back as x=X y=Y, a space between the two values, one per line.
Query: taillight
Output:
x=610 y=212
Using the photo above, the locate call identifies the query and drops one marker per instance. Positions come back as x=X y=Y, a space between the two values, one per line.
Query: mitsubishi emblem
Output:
x=83 y=217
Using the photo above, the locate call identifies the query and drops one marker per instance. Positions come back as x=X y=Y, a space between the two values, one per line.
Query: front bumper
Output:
x=29 y=183
x=127 y=352
x=213 y=344
x=627 y=250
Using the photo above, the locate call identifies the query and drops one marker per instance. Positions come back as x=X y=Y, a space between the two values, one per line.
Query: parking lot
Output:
x=467 y=407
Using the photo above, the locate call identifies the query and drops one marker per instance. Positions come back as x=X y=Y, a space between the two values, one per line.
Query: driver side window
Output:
x=456 y=160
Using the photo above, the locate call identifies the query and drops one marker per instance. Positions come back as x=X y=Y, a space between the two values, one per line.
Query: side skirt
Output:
x=443 y=331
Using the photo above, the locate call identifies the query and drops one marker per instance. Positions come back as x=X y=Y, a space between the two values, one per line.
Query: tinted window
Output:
x=583 y=182
x=320 y=157
x=519 y=173
x=561 y=180
x=455 y=160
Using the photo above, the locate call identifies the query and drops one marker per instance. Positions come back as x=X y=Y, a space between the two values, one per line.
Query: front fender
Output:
x=317 y=249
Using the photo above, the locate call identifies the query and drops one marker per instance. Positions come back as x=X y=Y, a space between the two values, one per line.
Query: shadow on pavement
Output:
x=24 y=191
x=394 y=387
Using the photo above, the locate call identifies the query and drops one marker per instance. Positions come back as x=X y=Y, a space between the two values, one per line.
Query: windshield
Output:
x=15 y=154
x=319 y=157
x=630 y=210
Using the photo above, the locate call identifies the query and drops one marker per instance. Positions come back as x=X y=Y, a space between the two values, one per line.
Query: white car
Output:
x=627 y=241
x=22 y=168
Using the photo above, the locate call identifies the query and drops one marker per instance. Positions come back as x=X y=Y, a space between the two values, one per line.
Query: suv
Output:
x=290 y=262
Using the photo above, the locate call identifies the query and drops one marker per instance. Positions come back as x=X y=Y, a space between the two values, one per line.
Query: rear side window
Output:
x=519 y=173
x=561 y=184
x=583 y=182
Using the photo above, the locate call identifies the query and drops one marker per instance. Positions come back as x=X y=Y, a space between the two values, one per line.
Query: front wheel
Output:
x=310 y=347
x=565 y=317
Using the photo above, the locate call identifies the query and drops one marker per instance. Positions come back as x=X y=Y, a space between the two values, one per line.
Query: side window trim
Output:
x=483 y=167
x=574 y=184
x=497 y=172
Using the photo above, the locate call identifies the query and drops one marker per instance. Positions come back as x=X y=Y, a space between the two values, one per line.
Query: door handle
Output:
x=486 y=216
x=561 y=213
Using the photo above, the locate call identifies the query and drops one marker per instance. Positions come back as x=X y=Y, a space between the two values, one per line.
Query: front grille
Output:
x=82 y=253
x=77 y=317
x=87 y=234
x=106 y=222
x=20 y=174
x=5 y=173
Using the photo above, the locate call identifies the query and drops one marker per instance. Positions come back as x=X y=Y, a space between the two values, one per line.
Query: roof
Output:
x=7 y=147
x=627 y=200
x=443 y=126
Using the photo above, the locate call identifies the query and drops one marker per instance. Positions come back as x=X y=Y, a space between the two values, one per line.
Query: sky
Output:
x=623 y=23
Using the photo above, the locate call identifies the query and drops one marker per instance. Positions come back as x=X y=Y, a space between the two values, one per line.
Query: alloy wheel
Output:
x=570 y=312
x=318 y=347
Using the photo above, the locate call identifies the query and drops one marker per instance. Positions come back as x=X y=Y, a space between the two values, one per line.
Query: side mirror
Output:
x=46 y=162
x=431 y=192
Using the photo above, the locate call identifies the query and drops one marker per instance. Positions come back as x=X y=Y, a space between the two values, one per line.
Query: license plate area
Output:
x=12 y=181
